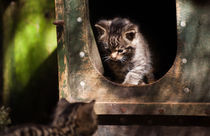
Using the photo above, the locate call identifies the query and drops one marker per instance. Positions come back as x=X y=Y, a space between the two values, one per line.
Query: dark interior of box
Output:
x=157 y=22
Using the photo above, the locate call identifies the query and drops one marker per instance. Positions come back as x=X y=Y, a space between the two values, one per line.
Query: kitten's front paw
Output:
x=133 y=79
x=130 y=82
x=134 y=83
x=141 y=83
x=126 y=84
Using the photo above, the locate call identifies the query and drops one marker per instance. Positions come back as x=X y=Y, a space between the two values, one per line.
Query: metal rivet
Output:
x=161 y=111
x=82 y=83
x=183 y=23
x=207 y=111
x=184 y=60
x=186 y=90
x=123 y=110
x=79 y=19
x=81 y=54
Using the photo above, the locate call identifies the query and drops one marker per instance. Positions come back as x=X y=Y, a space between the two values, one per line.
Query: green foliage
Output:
x=29 y=39
x=35 y=38
x=4 y=117
x=29 y=57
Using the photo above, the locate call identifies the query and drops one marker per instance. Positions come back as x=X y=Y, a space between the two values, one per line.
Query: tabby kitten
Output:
x=75 y=119
x=124 y=51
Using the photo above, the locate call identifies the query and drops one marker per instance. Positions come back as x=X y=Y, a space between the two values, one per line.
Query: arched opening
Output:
x=157 y=22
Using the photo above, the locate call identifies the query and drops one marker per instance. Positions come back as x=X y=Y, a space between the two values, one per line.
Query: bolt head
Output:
x=79 y=19
x=183 y=23
x=81 y=54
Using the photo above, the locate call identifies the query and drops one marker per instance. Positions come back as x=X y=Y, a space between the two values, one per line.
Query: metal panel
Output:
x=184 y=90
x=151 y=131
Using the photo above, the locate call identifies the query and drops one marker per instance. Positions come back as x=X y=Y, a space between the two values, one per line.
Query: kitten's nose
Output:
x=114 y=55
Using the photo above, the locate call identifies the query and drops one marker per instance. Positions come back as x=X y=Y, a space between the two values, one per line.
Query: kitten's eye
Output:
x=105 y=46
x=130 y=35
x=120 y=51
x=108 y=50
x=129 y=48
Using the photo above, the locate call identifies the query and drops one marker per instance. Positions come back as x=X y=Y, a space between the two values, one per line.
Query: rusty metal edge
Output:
x=186 y=109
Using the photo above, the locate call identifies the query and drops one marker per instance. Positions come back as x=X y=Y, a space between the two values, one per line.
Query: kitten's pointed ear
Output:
x=89 y=107
x=62 y=105
x=102 y=28
x=62 y=102
x=92 y=103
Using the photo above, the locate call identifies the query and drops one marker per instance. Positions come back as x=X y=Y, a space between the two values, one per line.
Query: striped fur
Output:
x=76 y=119
x=124 y=51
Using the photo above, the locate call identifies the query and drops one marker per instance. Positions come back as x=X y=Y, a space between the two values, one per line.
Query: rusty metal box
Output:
x=183 y=90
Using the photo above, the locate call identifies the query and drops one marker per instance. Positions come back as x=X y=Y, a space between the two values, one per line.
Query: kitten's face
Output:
x=117 y=39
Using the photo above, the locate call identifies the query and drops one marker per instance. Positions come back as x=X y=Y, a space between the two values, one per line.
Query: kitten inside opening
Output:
x=124 y=51
x=156 y=21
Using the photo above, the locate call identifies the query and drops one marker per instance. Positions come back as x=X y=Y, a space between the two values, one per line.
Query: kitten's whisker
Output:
x=106 y=58
x=123 y=59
